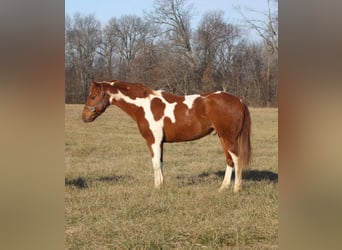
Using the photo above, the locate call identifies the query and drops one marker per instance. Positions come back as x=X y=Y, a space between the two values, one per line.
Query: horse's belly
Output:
x=185 y=132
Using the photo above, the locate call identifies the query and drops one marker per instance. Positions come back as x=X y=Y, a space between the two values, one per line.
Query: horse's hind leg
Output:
x=229 y=168
x=232 y=162
x=238 y=172
x=227 y=177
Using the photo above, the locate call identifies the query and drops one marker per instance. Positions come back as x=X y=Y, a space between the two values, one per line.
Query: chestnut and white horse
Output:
x=165 y=117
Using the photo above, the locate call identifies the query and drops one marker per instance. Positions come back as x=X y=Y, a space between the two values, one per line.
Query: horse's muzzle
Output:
x=86 y=117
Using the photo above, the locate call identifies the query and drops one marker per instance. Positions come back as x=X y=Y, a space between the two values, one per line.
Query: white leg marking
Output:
x=237 y=183
x=158 y=174
x=156 y=148
x=227 y=178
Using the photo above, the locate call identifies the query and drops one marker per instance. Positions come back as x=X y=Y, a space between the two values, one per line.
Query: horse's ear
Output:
x=95 y=83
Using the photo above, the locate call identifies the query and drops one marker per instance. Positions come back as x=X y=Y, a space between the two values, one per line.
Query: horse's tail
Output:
x=244 y=140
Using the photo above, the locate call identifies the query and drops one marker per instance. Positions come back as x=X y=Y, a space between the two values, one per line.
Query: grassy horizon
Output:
x=110 y=201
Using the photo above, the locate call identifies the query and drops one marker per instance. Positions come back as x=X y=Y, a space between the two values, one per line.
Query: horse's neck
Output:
x=130 y=106
x=132 y=110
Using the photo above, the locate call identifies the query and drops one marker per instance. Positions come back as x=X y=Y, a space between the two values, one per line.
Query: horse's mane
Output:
x=132 y=90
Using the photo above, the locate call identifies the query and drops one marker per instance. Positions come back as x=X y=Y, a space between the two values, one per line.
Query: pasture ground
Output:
x=111 y=203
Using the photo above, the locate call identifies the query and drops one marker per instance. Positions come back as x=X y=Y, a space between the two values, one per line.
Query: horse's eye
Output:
x=92 y=97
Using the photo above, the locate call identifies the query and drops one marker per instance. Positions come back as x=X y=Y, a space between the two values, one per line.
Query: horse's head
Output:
x=97 y=102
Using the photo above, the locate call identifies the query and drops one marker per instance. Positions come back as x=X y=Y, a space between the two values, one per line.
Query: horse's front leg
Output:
x=157 y=163
x=153 y=135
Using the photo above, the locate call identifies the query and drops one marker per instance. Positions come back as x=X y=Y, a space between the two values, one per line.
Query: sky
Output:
x=104 y=10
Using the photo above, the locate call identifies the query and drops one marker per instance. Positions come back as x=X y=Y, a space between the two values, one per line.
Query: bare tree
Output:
x=128 y=36
x=107 y=49
x=215 y=40
x=82 y=38
x=161 y=50
x=208 y=37
x=174 y=18
x=267 y=29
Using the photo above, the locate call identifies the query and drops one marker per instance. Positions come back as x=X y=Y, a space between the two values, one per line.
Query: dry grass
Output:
x=110 y=201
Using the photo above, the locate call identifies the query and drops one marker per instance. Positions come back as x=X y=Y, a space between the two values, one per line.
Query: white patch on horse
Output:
x=189 y=100
x=140 y=102
x=157 y=92
x=169 y=107
x=214 y=93
x=169 y=110
x=112 y=83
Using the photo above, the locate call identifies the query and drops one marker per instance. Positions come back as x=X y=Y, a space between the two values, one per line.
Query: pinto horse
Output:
x=165 y=117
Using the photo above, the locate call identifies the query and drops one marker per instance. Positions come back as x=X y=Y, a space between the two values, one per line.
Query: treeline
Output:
x=162 y=50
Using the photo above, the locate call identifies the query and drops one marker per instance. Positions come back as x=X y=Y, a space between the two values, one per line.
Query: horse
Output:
x=163 y=117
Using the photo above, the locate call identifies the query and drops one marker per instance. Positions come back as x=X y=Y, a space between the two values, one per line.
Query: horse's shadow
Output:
x=254 y=175
x=82 y=182
x=248 y=175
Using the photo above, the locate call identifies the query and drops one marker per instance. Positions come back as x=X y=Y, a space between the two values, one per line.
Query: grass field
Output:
x=111 y=203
